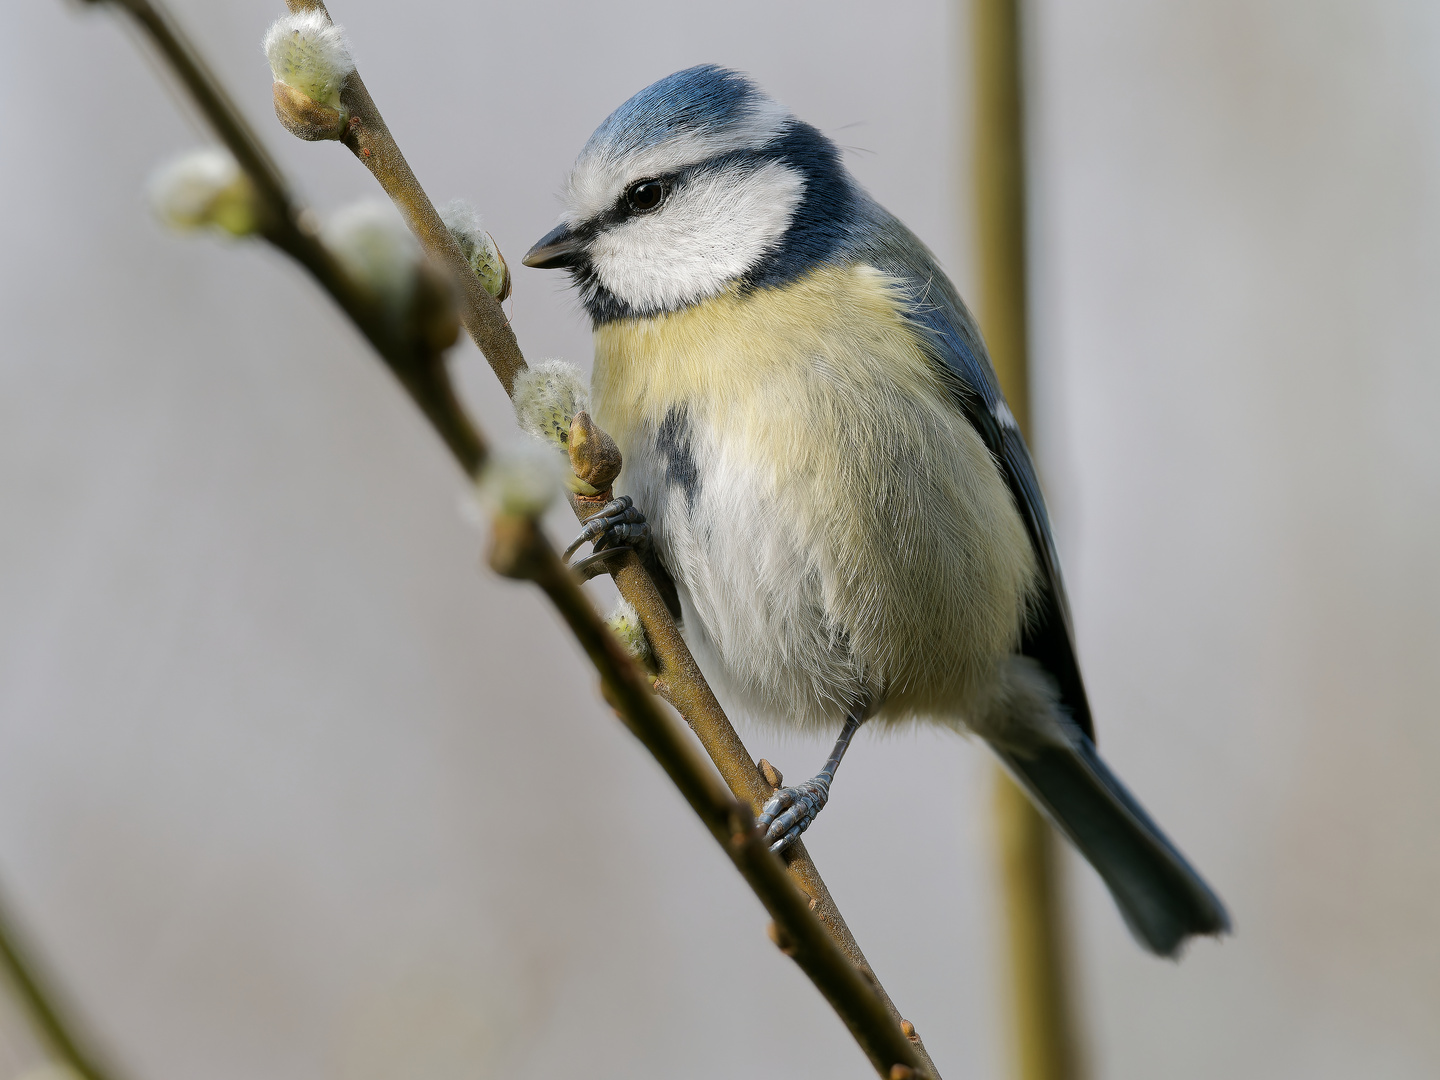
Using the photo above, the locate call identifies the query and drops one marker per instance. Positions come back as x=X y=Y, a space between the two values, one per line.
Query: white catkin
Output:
x=204 y=188
x=309 y=52
x=547 y=397
x=376 y=249
x=520 y=480
x=478 y=246
x=625 y=624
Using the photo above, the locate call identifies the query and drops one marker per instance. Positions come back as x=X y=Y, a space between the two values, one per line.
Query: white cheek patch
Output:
x=710 y=231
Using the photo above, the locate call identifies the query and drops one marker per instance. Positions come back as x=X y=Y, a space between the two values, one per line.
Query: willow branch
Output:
x=39 y=1001
x=292 y=229
x=521 y=551
x=808 y=926
x=679 y=678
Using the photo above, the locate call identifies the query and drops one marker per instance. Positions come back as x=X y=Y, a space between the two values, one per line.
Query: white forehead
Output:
x=604 y=170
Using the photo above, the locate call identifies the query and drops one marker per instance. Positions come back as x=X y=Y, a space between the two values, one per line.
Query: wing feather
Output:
x=959 y=351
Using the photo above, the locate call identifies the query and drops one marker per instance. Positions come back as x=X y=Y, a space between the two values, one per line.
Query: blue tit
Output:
x=832 y=480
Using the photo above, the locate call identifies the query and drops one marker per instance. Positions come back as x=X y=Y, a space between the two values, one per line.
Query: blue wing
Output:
x=960 y=353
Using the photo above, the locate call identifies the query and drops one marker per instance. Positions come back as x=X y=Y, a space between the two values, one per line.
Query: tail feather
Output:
x=1162 y=898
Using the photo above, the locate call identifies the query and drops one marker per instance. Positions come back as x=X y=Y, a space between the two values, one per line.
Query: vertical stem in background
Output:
x=1041 y=1027
x=1043 y=1042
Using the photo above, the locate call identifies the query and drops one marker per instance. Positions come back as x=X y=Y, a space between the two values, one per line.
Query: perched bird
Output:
x=818 y=455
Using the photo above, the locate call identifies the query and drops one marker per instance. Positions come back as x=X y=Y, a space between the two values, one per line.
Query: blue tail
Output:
x=1164 y=901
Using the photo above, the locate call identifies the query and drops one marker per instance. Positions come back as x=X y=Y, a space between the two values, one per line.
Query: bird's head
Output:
x=697 y=181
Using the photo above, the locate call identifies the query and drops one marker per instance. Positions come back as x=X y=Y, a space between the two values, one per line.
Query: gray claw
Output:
x=580 y=566
x=791 y=810
x=617 y=523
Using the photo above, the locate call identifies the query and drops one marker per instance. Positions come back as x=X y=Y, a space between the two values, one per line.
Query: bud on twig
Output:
x=547 y=397
x=520 y=481
x=310 y=61
x=594 y=457
x=478 y=246
x=624 y=623
x=782 y=940
x=206 y=188
x=385 y=259
x=774 y=778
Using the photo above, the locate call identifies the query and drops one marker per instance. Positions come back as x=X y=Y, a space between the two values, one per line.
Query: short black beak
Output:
x=557 y=248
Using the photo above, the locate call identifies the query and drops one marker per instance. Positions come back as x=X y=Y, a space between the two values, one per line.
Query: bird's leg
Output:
x=617 y=527
x=620 y=526
x=791 y=810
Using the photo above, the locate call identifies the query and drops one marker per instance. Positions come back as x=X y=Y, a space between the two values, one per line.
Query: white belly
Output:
x=752 y=586
x=837 y=531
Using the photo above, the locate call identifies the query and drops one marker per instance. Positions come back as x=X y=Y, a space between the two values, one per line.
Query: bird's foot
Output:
x=791 y=810
x=617 y=527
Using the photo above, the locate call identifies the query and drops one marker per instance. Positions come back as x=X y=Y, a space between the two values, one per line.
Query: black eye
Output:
x=645 y=195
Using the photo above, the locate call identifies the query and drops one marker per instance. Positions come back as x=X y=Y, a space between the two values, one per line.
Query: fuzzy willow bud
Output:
x=478 y=246
x=624 y=623
x=310 y=61
x=547 y=397
x=206 y=189
x=385 y=259
x=520 y=481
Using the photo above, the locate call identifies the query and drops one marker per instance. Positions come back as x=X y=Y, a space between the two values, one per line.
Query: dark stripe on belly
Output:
x=672 y=443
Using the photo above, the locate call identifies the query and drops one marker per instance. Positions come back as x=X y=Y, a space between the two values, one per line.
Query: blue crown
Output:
x=702 y=99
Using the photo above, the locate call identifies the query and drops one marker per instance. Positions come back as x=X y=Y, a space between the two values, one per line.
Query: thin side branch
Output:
x=370 y=140
x=679 y=678
x=808 y=925
x=292 y=229
x=56 y=1034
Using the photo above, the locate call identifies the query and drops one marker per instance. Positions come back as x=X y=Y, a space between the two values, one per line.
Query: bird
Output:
x=822 y=472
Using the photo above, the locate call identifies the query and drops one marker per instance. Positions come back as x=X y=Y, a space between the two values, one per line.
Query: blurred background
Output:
x=291 y=787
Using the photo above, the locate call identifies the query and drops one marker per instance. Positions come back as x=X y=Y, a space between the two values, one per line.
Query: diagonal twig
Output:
x=38 y=995
x=520 y=552
x=807 y=925
x=679 y=679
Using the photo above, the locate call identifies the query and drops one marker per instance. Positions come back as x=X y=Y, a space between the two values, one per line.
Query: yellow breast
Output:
x=820 y=397
x=751 y=354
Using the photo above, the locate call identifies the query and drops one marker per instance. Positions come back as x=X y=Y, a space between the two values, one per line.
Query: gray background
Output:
x=290 y=788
